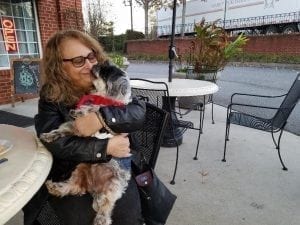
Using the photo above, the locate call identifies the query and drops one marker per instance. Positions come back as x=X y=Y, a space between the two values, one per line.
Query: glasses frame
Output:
x=92 y=58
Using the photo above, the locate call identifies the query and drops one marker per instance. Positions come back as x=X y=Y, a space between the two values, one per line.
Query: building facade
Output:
x=25 y=27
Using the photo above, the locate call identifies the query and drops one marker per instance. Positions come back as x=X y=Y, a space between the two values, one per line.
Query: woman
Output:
x=68 y=59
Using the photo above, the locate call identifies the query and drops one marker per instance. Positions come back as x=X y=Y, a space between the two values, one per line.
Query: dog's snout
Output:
x=96 y=71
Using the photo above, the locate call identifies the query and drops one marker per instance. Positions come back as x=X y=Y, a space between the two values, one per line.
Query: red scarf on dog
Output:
x=98 y=100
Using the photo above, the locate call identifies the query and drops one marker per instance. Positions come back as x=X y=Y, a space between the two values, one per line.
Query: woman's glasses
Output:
x=79 y=61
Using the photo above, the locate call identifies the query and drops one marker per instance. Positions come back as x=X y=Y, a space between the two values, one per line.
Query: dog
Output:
x=106 y=182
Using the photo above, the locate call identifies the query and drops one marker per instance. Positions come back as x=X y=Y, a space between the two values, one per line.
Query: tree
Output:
x=183 y=17
x=147 y=5
x=97 y=24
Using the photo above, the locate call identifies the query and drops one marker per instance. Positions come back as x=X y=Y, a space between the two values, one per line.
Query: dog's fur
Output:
x=106 y=182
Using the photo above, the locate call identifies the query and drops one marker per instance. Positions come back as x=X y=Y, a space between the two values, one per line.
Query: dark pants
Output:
x=77 y=210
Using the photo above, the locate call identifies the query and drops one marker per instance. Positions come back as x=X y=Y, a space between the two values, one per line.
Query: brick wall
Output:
x=57 y=15
x=277 y=44
x=53 y=15
x=5 y=86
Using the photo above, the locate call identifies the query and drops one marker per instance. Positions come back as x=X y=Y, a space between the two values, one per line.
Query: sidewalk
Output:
x=249 y=189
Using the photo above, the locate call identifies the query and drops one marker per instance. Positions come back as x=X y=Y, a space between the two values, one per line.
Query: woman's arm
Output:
x=74 y=148
x=125 y=119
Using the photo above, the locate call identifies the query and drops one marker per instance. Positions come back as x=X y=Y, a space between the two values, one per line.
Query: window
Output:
x=18 y=33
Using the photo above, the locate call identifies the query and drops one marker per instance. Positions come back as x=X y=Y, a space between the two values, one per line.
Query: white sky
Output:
x=120 y=15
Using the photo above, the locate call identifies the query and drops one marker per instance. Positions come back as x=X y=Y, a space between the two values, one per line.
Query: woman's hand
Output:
x=87 y=125
x=118 y=146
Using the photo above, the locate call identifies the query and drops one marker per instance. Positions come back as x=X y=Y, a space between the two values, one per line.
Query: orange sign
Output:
x=9 y=34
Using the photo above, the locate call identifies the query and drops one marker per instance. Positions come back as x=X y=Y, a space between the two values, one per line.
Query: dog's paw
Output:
x=54 y=188
x=49 y=137
x=101 y=219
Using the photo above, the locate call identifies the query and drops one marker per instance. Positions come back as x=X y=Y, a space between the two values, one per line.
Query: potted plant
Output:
x=209 y=52
x=119 y=60
x=212 y=48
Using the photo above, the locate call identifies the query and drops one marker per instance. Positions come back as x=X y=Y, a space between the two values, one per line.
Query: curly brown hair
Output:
x=58 y=86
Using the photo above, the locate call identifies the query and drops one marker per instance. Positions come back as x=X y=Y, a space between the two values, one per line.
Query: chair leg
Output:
x=277 y=145
x=201 y=117
x=212 y=110
x=176 y=164
x=177 y=156
x=179 y=109
x=226 y=136
x=203 y=107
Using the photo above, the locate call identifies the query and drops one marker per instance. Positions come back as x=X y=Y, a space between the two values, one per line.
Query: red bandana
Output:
x=98 y=100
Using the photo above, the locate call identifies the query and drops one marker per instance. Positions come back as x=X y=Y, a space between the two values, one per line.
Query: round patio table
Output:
x=24 y=172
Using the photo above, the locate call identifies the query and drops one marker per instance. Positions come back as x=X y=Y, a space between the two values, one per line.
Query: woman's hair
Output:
x=58 y=86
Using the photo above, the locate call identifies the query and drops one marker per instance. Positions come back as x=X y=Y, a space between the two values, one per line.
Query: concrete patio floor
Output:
x=249 y=189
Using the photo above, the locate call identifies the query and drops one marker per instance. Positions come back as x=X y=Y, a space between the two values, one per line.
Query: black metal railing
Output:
x=233 y=24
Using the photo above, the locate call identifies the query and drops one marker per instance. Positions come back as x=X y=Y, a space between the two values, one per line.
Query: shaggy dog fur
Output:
x=106 y=182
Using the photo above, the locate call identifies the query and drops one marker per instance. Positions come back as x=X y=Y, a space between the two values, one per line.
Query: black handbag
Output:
x=156 y=199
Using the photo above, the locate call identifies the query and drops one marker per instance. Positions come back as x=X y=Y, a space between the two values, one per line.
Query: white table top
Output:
x=25 y=171
x=180 y=87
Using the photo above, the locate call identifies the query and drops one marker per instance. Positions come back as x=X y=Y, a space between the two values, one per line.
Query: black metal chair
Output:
x=147 y=140
x=273 y=124
x=157 y=93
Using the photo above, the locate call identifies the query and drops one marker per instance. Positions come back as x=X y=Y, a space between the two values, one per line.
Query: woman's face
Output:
x=78 y=61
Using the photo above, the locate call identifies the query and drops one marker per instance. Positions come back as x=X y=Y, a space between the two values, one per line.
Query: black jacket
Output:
x=69 y=151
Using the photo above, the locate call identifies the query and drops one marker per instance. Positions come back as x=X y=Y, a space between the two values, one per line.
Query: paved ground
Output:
x=249 y=189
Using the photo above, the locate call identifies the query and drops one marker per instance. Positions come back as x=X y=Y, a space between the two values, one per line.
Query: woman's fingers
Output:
x=118 y=146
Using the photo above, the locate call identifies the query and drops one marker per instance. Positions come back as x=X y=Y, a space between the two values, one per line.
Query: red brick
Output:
x=50 y=21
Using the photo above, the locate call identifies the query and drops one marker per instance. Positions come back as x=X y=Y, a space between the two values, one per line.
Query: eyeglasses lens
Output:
x=80 y=60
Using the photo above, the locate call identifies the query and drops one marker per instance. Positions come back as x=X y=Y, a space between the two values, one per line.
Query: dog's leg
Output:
x=75 y=185
x=63 y=130
x=104 y=203
x=61 y=189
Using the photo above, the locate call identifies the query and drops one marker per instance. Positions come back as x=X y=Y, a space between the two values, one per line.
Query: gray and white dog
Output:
x=106 y=182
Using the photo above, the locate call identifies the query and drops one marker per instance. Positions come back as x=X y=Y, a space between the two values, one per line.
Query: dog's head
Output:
x=112 y=82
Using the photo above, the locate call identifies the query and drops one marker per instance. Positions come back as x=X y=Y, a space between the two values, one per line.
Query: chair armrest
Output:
x=258 y=106
x=252 y=95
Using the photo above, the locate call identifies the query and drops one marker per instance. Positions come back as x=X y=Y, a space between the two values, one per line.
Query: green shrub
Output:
x=117 y=59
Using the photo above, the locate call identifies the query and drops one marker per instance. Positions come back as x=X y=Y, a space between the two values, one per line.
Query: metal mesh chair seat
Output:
x=275 y=123
x=246 y=120
x=184 y=125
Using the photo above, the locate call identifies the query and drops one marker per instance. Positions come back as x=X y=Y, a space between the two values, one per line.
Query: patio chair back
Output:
x=288 y=104
x=154 y=91
x=148 y=139
x=157 y=93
